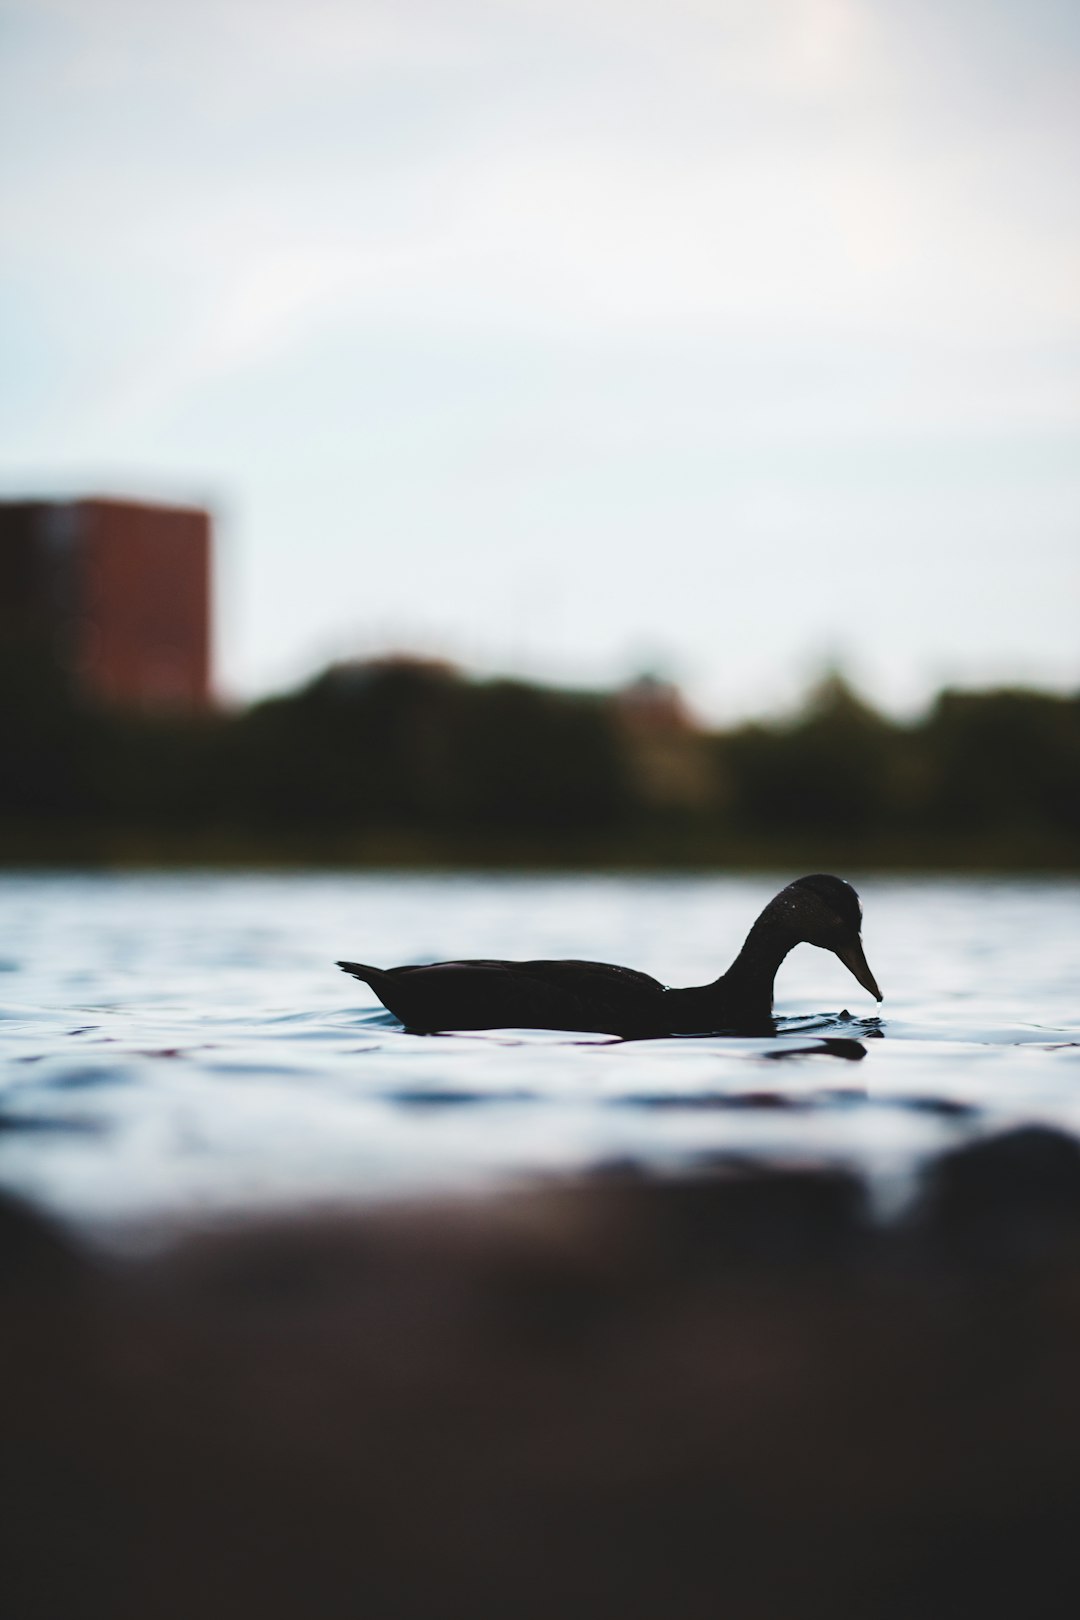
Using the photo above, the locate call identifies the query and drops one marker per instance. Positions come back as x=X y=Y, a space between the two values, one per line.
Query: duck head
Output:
x=826 y=912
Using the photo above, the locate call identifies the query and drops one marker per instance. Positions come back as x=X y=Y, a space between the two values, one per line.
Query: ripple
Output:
x=51 y=1124
x=440 y=1097
x=86 y=1079
x=712 y=1099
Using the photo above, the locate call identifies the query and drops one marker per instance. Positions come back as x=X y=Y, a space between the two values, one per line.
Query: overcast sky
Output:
x=725 y=337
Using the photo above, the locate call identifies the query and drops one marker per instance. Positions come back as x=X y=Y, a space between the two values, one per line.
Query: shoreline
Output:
x=34 y=849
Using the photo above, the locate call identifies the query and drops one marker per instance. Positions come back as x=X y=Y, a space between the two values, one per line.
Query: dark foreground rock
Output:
x=729 y=1395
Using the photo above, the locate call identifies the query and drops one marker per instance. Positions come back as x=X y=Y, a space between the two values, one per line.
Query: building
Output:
x=118 y=592
x=670 y=764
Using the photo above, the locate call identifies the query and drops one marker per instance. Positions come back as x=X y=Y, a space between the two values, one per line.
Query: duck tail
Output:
x=360 y=970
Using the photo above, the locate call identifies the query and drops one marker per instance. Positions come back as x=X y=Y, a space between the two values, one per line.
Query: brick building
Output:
x=117 y=591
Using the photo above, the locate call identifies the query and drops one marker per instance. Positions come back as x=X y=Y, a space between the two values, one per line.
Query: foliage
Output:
x=407 y=746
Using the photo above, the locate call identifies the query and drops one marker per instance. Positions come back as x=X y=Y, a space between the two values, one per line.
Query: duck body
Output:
x=570 y=995
x=604 y=998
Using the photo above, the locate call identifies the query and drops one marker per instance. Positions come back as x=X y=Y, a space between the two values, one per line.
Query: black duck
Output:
x=820 y=910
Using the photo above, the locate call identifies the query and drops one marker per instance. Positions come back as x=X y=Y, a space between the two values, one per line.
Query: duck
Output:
x=602 y=998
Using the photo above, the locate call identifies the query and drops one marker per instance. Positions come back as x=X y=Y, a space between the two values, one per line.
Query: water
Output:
x=179 y=1047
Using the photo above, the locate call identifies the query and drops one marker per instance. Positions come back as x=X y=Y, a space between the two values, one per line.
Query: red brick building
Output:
x=118 y=591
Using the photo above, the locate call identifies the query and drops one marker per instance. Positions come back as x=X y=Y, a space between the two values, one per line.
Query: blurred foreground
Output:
x=618 y=1397
x=402 y=761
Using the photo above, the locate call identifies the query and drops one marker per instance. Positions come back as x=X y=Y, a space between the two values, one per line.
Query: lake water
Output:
x=178 y=1047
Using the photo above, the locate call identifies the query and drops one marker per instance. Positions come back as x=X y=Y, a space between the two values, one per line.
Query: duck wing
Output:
x=488 y=994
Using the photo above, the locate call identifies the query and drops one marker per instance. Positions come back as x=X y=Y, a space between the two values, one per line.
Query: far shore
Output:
x=676 y=850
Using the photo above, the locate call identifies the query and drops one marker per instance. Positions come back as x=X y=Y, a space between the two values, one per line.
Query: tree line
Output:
x=402 y=758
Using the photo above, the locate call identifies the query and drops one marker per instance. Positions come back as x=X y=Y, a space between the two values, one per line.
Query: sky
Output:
x=729 y=339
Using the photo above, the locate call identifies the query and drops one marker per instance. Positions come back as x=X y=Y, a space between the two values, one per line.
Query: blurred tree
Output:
x=404 y=742
x=827 y=770
x=47 y=742
x=414 y=745
x=532 y=758
x=1003 y=760
x=361 y=744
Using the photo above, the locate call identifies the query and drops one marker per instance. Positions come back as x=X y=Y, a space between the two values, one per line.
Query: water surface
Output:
x=177 y=1047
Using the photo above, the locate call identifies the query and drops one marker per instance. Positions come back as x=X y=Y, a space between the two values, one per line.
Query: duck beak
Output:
x=855 y=961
